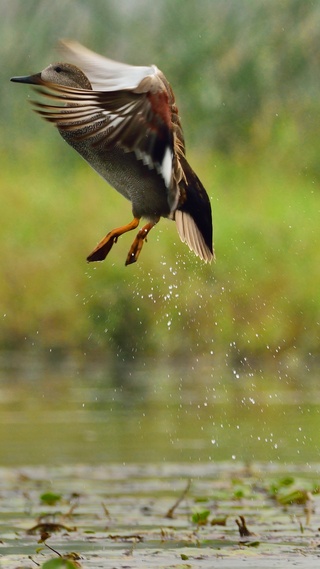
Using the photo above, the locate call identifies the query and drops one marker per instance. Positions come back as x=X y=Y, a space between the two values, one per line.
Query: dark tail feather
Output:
x=196 y=204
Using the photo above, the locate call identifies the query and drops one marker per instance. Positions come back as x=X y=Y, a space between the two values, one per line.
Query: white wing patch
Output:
x=190 y=234
x=104 y=74
x=166 y=167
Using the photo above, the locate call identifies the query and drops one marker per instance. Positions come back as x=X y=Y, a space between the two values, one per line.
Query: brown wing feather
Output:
x=138 y=121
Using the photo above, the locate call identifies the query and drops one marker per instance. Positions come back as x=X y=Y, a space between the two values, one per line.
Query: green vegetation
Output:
x=246 y=79
x=261 y=296
x=60 y=563
x=50 y=498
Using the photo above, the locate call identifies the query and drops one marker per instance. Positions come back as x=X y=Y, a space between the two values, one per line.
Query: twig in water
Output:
x=170 y=512
x=243 y=530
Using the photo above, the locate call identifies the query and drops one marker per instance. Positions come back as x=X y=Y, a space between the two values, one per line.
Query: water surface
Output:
x=185 y=412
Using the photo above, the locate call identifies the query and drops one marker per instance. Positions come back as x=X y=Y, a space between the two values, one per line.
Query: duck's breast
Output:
x=144 y=187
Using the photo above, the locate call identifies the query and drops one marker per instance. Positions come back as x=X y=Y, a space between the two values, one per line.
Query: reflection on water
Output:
x=148 y=413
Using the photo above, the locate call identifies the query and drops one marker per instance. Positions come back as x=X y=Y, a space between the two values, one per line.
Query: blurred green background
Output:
x=246 y=78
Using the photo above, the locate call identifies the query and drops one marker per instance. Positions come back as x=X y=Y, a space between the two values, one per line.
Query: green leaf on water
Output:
x=286 y=481
x=277 y=485
x=50 y=498
x=59 y=563
x=295 y=497
x=239 y=493
x=201 y=517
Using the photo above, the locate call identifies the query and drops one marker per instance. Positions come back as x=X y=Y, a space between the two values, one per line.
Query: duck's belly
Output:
x=145 y=188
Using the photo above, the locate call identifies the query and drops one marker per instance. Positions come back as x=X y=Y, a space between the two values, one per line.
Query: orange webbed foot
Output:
x=102 y=249
x=106 y=244
x=136 y=246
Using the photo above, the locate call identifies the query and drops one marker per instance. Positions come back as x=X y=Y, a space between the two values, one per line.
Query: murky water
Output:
x=119 y=444
x=147 y=413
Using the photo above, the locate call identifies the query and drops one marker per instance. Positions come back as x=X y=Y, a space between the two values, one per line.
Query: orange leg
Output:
x=105 y=245
x=138 y=242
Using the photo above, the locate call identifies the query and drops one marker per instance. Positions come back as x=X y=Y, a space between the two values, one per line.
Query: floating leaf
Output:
x=295 y=497
x=277 y=485
x=50 y=498
x=201 y=518
x=60 y=563
x=48 y=528
x=239 y=493
x=219 y=521
x=286 y=481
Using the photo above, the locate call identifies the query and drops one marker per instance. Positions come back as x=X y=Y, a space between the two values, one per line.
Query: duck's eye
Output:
x=58 y=69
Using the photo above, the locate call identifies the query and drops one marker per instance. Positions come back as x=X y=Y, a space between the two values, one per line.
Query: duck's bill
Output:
x=31 y=79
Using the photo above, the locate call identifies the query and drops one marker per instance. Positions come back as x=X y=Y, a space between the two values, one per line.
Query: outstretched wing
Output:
x=142 y=119
x=135 y=121
x=103 y=73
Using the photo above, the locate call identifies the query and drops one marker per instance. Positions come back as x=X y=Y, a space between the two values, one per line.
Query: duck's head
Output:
x=58 y=73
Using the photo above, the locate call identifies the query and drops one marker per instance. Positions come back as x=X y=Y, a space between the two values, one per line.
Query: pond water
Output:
x=184 y=412
x=122 y=445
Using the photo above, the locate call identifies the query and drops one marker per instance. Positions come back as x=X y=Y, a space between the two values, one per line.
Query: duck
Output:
x=123 y=120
